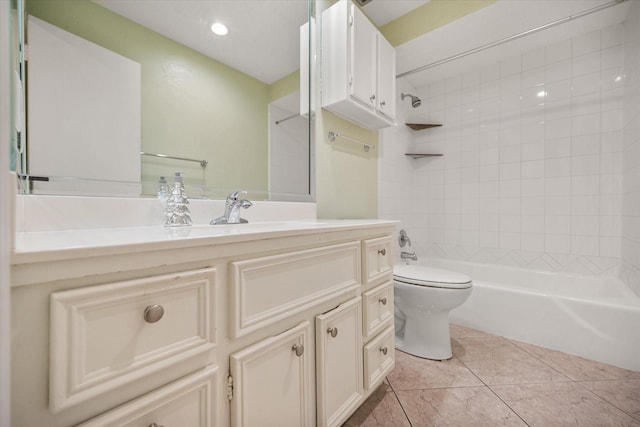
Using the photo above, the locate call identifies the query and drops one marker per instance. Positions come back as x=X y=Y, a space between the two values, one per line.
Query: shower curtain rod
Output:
x=511 y=38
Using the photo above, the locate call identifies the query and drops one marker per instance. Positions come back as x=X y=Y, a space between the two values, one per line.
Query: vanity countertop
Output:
x=43 y=246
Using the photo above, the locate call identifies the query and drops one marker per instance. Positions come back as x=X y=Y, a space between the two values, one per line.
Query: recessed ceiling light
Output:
x=219 y=29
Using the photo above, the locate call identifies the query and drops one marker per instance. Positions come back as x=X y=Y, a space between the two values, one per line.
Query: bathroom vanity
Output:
x=260 y=324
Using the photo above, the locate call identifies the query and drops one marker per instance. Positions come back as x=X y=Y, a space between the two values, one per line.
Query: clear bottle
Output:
x=177 y=212
x=163 y=189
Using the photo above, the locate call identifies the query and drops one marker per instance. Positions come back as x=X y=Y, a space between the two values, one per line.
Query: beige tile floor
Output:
x=493 y=381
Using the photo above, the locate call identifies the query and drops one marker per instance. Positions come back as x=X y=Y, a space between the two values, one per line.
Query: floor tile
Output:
x=496 y=360
x=412 y=373
x=561 y=404
x=623 y=394
x=575 y=367
x=381 y=409
x=466 y=406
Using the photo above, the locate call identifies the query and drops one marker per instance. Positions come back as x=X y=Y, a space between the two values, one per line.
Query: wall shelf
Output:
x=421 y=155
x=420 y=126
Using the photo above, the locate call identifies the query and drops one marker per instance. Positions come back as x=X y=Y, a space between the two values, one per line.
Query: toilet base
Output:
x=428 y=338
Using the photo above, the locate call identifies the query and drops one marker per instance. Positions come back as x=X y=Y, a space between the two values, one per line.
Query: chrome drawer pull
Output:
x=383 y=301
x=333 y=331
x=152 y=314
x=384 y=350
x=382 y=251
x=299 y=349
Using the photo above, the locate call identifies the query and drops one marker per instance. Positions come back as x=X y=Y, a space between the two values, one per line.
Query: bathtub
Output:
x=597 y=318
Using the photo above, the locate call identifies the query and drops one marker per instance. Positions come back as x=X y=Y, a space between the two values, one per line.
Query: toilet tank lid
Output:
x=421 y=273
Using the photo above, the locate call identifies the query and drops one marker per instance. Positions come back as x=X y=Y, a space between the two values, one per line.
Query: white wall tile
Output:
x=557 y=71
x=541 y=174
x=585 y=64
x=586 y=43
x=558 y=51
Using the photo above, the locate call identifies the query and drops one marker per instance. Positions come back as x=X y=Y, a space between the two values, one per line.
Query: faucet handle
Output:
x=234 y=195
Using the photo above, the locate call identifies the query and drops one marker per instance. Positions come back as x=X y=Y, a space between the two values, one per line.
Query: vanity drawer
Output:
x=268 y=289
x=378 y=309
x=107 y=336
x=378 y=260
x=379 y=358
x=188 y=402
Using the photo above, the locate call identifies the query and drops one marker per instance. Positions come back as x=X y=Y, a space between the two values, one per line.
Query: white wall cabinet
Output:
x=358 y=68
x=293 y=329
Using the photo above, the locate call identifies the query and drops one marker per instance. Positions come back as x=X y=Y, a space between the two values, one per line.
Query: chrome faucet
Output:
x=408 y=255
x=232 y=209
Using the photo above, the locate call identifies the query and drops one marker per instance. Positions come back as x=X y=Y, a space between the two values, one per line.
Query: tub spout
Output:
x=409 y=255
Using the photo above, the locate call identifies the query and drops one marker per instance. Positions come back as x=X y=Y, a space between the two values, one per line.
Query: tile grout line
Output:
x=493 y=391
x=393 y=390
x=604 y=399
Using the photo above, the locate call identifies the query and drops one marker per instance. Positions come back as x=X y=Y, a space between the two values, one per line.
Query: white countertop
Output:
x=40 y=246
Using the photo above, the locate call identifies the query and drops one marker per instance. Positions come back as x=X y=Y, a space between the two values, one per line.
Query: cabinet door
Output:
x=273 y=381
x=363 y=59
x=339 y=363
x=386 y=84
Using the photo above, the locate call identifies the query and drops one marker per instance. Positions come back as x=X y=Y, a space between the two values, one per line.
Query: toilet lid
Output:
x=428 y=276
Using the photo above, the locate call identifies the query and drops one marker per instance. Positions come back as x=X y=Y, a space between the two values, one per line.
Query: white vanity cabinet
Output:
x=273 y=381
x=339 y=363
x=279 y=328
x=358 y=68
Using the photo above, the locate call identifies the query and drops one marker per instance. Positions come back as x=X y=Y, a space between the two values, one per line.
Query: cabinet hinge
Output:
x=229 y=387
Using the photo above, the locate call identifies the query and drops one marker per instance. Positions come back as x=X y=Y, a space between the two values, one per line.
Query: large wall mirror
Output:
x=225 y=111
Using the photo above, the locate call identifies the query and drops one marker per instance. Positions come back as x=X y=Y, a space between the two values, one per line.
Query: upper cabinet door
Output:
x=386 y=93
x=362 y=75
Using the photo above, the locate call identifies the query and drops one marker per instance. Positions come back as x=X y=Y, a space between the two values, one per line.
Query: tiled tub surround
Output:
x=531 y=174
x=494 y=381
x=583 y=315
x=631 y=152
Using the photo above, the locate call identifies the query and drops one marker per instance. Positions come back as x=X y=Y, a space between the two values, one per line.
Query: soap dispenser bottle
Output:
x=177 y=212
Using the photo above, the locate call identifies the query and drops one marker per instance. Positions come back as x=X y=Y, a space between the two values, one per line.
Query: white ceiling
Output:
x=263 y=39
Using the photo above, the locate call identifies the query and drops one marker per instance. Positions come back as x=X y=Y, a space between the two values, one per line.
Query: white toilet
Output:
x=423 y=298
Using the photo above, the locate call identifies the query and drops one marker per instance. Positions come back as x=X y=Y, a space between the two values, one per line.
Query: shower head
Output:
x=415 y=101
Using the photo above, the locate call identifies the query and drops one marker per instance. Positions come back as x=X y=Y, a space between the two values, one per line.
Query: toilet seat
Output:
x=430 y=277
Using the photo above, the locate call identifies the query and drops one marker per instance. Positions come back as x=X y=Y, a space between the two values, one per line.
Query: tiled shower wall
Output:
x=531 y=173
x=631 y=153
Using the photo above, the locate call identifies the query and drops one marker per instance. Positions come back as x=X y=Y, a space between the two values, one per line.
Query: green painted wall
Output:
x=192 y=106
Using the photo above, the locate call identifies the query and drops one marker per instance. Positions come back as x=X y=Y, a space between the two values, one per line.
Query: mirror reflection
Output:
x=223 y=110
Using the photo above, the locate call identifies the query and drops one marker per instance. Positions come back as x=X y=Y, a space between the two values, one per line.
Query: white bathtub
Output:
x=593 y=317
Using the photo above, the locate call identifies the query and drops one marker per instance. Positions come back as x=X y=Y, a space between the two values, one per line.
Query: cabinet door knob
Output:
x=383 y=103
x=372 y=98
x=299 y=349
x=382 y=251
x=155 y=425
x=383 y=300
x=384 y=350
x=333 y=331
x=153 y=313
